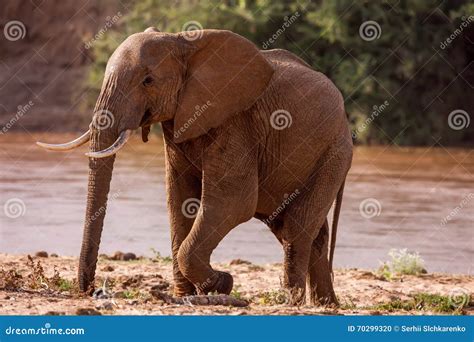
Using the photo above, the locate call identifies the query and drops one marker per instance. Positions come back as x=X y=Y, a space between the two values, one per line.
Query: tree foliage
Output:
x=399 y=86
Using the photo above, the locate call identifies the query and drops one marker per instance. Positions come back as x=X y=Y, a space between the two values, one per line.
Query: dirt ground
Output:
x=46 y=286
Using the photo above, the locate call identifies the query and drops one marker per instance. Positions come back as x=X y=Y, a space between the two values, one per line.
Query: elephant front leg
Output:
x=182 y=286
x=183 y=194
x=195 y=253
x=229 y=197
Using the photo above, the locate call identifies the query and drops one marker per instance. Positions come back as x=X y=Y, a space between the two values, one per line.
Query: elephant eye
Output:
x=148 y=81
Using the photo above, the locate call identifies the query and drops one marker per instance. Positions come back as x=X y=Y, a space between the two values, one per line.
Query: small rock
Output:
x=123 y=256
x=255 y=268
x=42 y=254
x=54 y=313
x=237 y=313
x=117 y=256
x=119 y=294
x=134 y=280
x=105 y=306
x=162 y=286
x=129 y=256
x=366 y=275
x=240 y=262
x=54 y=255
x=108 y=268
x=101 y=293
x=87 y=312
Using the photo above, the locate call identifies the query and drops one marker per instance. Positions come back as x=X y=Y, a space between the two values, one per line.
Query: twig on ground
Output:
x=221 y=299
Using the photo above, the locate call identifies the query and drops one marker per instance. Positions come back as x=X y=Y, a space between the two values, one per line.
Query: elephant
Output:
x=248 y=133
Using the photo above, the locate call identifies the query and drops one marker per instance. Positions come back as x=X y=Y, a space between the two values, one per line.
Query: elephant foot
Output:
x=326 y=297
x=222 y=284
x=323 y=294
x=86 y=283
x=184 y=289
x=329 y=300
x=297 y=296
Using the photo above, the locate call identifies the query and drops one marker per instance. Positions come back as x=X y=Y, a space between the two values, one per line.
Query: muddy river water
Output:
x=416 y=198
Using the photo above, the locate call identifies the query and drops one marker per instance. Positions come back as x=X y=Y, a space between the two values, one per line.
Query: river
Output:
x=416 y=198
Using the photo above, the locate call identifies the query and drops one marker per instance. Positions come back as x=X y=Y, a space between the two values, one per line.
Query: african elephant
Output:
x=249 y=133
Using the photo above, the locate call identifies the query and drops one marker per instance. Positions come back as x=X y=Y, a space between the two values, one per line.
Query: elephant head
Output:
x=153 y=77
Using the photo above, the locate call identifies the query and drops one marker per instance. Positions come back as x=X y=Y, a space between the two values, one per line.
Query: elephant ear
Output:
x=226 y=74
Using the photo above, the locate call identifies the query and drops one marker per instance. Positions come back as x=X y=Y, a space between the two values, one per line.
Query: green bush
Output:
x=402 y=263
x=405 y=66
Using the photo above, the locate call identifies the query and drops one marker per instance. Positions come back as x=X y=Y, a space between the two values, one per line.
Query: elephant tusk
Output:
x=114 y=148
x=69 y=145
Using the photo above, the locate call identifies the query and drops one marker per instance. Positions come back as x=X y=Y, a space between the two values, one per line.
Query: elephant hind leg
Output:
x=319 y=273
x=305 y=231
x=297 y=254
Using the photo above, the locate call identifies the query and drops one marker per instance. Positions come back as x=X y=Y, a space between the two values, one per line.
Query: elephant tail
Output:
x=337 y=210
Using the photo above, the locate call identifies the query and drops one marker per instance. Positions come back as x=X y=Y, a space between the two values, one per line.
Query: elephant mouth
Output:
x=145 y=124
x=146 y=119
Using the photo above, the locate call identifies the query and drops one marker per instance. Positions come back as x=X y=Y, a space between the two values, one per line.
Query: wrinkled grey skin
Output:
x=231 y=153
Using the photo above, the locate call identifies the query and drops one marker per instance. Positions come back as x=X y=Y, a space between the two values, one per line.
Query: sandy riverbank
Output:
x=48 y=287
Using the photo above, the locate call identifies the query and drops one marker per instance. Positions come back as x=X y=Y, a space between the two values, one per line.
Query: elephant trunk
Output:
x=100 y=175
x=103 y=134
